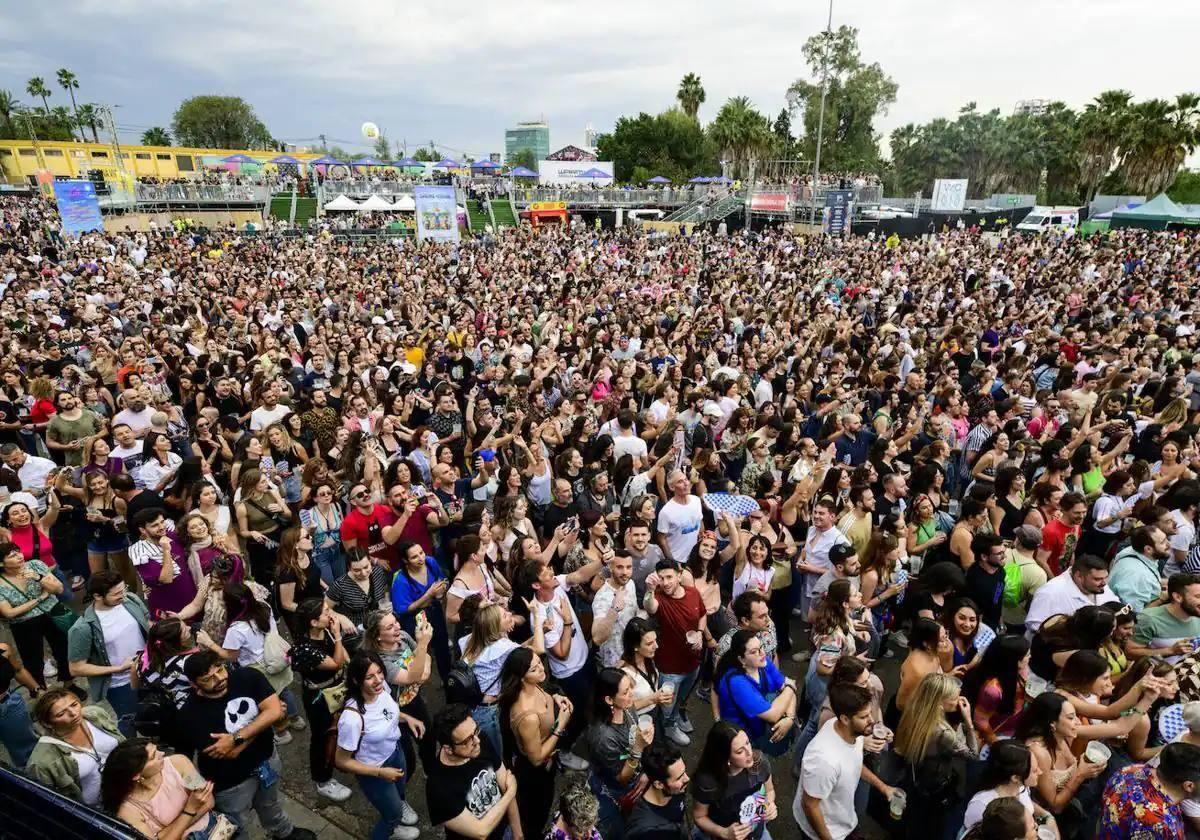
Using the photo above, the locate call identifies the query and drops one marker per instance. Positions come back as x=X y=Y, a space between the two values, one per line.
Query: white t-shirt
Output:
x=578 y=654
x=490 y=662
x=610 y=651
x=247 y=640
x=262 y=416
x=122 y=639
x=681 y=523
x=629 y=445
x=132 y=458
x=754 y=578
x=382 y=716
x=139 y=421
x=1184 y=536
x=89 y=768
x=830 y=773
x=980 y=801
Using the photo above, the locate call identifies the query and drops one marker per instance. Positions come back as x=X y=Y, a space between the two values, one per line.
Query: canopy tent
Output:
x=700 y=179
x=407 y=162
x=283 y=159
x=239 y=158
x=1158 y=213
x=375 y=202
x=594 y=173
x=342 y=202
x=367 y=161
x=405 y=203
x=523 y=172
x=485 y=164
x=326 y=160
x=659 y=179
x=447 y=163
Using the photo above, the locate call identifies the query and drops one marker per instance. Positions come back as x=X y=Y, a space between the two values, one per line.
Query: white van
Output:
x=1050 y=218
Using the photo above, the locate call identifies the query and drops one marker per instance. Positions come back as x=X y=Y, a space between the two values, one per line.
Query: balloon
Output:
x=370 y=130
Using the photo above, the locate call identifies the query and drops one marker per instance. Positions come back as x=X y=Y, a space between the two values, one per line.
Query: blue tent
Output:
x=700 y=179
x=484 y=164
x=239 y=159
x=522 y=172
x=594 y=173
x=283 y=159
x=659 y=179
x=367 y=161
x=406 y=162
x=326 y=160
x=447 y=163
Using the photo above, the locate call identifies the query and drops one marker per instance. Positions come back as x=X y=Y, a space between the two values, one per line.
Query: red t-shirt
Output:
x=676 y=618
x=417 y=529
x=1060 y=540
x=367 y=532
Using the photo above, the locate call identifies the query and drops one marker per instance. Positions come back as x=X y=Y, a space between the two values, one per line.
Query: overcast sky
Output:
x=429 y=71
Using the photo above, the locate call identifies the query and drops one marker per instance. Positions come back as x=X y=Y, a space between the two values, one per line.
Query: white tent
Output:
x=376 y=202
x=405 y=203
x=342 y=202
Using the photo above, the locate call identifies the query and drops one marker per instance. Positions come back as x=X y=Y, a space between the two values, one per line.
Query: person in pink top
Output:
x=29 y=533
x=161 y=796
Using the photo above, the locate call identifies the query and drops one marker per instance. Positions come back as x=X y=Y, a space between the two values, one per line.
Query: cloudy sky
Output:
x=461 y=76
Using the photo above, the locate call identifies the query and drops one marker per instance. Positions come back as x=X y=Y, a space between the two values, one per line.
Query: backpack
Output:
x=331 y=734
x=156 y=714
x=462 y=686
x=1012 y=585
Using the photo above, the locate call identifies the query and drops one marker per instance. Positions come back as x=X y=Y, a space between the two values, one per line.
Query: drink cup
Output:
x=897 y=803
x=880 y=732
x=693 y=637
x=1097 y=752
x=670 y=692
x=1045 y=832
x=646 y=724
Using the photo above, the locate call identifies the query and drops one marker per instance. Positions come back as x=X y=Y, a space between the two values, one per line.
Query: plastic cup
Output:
x=1045 y=832
x=880 y=732
x=897 y=803
x=670 y=691
x=1097 y=752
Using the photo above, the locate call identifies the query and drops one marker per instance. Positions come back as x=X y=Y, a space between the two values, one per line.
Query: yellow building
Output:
x=21 y=159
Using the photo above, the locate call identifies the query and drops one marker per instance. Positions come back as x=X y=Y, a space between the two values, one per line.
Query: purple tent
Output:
x=484 y=164
x=407 y=162
x=523 y=172
x=594 y=173
x=659 y=179
x=447 y=163
x=326 y=160
x=700 y=179
x=239 y=159
x=283 y=159
x=367 y=161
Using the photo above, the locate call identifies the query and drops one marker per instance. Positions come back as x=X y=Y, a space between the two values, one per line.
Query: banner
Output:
x=568 y=172
x=770 y=202
x=837 y=211
x=437 y=213
x=547 y=205
x=78 y=206
x=949 y=195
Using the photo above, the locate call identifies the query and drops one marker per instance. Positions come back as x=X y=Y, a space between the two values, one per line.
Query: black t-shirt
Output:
x=987 y=590
x=656 y=822
x=307 y=654
x=236 y=710
x=728 y=806
x=312 y=582
x=472 y=787
x=8 y=414
x=144 y=500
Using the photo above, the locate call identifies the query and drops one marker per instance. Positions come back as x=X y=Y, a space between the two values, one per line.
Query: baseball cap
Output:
x=840 y=553
x=713 y=410
x=1029 y=536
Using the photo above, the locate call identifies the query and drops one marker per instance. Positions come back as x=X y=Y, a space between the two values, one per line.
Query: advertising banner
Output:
x=770 y=202
x=78 y=206
x=571 y=172
x=949 y=195
x=437 y=214
x=837 y=211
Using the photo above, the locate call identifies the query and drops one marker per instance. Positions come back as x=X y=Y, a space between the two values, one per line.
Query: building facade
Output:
x=528 y=135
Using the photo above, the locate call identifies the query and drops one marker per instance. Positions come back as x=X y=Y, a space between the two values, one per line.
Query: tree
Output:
x=157 y=136
x=1102 y=126
x=1159 y=137
x=743 y=135
x=70 y=83
x=88 y=116
x=856 y=94
x=690 y=95
x=1186 y=189
x=37 y=87
x=783 y=128
x=219 y=122
x=523 y=157
x=9 y=106
x=383 y=148
x=430 y=155
x=670 y=144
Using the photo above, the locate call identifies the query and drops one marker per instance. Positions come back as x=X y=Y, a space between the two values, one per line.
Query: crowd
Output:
x=610 y=488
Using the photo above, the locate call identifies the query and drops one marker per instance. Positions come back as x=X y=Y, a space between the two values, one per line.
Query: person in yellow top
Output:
x=414 y=354
x=856 y=523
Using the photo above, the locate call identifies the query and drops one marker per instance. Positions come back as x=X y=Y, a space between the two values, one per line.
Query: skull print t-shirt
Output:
x=471 y=787
x=231 y=713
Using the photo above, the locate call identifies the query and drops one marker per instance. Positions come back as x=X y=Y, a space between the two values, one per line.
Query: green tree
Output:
x=670 y=144
x=36 y=87
x=1159 y=137
x=1102 y=125
x=88 y=116
x=70 y=83
x=219 y=122
x=743 y=135
x=522 y=157
x=690 y=95
x=427 y=155
x=383 y=147
x=157 y=136
x=783 y=130
x=9 y=106
x=857 y=93
x=1186 y=189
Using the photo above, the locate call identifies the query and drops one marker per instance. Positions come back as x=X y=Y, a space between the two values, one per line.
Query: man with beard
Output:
x=1170 y=630
x=658 y=815
x=321 y=419
x=1084 y=584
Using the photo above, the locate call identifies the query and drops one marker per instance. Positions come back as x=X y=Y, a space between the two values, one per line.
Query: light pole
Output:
x=812 y=215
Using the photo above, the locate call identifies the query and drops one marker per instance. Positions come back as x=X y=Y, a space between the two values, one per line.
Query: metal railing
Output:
x=803 y=194
x=363 y=189
x=119 y=197
x=671 y=197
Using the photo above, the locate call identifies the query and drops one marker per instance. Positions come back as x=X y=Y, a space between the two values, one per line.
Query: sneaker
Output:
x=77 y=583
x=684 y=724
x=900 y=640
x=405 y=832
x=677 y=737
x=297 y=724
x=284 y=737
x=335 y=790
x=572 y=761
x=704 y=692
x=407 y=815
x=49 y=670
x=802 y=656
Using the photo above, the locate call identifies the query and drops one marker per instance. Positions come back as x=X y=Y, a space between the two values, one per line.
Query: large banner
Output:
x=78 y=206
x=949 y=195
x=837 y=211
x=568 y=172
x=437 y=213
x=768 y=202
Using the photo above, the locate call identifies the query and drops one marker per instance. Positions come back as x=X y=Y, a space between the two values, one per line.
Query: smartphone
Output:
x=419 y=491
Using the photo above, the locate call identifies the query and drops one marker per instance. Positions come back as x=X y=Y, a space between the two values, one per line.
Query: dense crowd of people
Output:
x=624 y=494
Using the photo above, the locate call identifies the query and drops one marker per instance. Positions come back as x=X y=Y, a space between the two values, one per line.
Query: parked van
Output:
x=1050 y=218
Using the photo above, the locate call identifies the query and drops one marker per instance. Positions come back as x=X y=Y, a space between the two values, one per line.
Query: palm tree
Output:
x=1102 y=127
x=1161 y=135
x=37 y=87
x=743 y=135
x=690 y=95
x=156 y=136
x=70 y=83
x=89 y=117
x=8 y=107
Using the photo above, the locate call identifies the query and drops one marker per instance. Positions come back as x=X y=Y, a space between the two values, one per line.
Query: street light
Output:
x=812 y=214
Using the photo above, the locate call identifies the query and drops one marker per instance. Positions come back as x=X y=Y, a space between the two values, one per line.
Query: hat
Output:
x=1029 y=536
x=840 y=553
x=713 y=410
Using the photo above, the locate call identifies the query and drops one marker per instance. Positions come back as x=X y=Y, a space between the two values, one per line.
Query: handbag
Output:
x=62 y=616
x=278 y=518
x=334 y=697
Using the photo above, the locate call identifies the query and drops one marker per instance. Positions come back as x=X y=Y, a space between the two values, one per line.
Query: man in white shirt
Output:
x=32 y=470
x=269 y=412
x=626 y=440
x=833 y=765
x=129 y=449
x=814 y=562
x=680 y=519
x=1187 y=502
x=1084 y=584
x=137 y=412
x=612 y=607
x=660 y=409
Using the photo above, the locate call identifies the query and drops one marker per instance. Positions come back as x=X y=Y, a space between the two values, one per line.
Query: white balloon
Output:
x=370 y=130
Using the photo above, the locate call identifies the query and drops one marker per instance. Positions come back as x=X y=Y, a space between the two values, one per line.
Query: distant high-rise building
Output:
x=528 y=135
x=1032 y=107
x=589 y=137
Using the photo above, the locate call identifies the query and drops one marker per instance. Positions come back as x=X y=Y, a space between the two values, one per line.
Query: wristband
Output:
x=188 y=813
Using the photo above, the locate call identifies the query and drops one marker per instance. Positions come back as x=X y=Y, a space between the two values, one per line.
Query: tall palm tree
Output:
x=8 y=107
x=1102 y=127
x=743 y=135
x=37 y=87
x=156 y=136
x=69 y=82
x=1161 y=135
x=690 y=95
x=89 y=117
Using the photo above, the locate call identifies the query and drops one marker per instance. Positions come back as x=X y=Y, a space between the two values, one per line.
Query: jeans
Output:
x=237 y=801
x=578 y=689
x=330 y=562
x=682 y=683
x=290 y=703
x=488 y=720
x=387 y=797
x=123 y=699
x=16 y=730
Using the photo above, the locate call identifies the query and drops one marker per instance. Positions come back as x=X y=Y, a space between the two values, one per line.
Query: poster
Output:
x=78 y=206
x=837 y=211
x=949 y=195
x=770 y=202
x=562 y=173
x=437 y=213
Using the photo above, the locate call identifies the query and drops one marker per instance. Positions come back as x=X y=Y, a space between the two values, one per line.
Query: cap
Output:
x=840 y=553
x=1029 y=536
x=713 y=410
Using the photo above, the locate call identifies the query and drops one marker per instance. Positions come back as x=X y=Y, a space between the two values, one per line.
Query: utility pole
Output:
x=126 y=181
x=324 y=148
x=812 y=213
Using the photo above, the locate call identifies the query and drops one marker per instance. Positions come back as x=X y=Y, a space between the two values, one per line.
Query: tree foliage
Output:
x=522 y=157
x=690 y=95
x=429 y=155
x=743 y=135
x=856 y=94
x=671 y=144
x=219 y=122
x=1186 y=189
x=383 y=147
x=157 y=136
